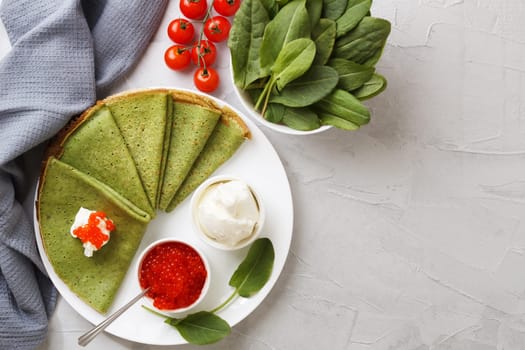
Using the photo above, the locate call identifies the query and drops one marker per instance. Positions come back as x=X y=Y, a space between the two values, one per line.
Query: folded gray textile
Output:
x=65 y=54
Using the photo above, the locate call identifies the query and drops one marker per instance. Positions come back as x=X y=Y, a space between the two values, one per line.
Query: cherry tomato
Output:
x=194 y=9
x=181 y=31
x=207 y=51
x=206 y=79
x=177 y=57
x=217 y=28
x=226 y=7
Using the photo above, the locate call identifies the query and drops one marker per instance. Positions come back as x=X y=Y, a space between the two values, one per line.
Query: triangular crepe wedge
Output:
x=62 y=191
x=93 y=144
x=193 y=122
x=143 y=119
x=166 y=149
x=228 y=135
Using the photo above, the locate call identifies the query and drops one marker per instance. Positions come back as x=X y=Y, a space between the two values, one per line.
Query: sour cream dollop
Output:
x=93 y=229
x=228 y=212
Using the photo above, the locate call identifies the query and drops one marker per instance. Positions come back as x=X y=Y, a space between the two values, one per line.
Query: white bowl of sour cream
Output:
x=227 y=212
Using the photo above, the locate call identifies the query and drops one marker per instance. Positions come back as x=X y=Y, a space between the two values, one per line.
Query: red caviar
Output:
x=91 y=232
x=175 y=273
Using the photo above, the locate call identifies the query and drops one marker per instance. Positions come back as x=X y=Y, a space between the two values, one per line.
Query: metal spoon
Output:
x=87 y=337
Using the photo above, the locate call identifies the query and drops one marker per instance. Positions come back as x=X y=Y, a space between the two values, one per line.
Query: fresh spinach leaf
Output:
x=255 y=270
x=315 y=84
x=371 y=88
x=246 y=36
x=291 y=22
x=351 y=75
x=285 y=81
x=361 y=44
x=372 y=60
x=294 y=60
x=333 y=9
x=274 y=112
x=271 y=7
x=324 y=37
x=338 y=122
x=254 y=93
x=302 y=119
x=354 y=13
x=344 y=105
x=314 y=9
x=201 y=328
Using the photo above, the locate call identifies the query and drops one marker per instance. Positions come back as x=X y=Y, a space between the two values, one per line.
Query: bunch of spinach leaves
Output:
x=307 y=63
x=206 y=327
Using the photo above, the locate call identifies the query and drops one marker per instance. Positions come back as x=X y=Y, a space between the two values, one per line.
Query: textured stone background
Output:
x=408 y=233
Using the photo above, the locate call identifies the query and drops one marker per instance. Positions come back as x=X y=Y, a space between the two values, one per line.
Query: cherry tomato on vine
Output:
x=206 y=79
x=217 y=28
x=177 y=57
x=226 y=7
x=194 y=9
x=181 y=31
x=207 y=52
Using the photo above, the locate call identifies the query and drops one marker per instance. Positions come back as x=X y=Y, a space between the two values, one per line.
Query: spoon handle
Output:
x=87 y=337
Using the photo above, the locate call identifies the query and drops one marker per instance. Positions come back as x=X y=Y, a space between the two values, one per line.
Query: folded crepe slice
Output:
x=228 y=135
x=166 y=147
x=93 y=144
x=193 y=122
x=143 y=118
x=62 y=191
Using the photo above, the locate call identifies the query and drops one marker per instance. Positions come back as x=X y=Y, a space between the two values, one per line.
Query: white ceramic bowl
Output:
x=195 y=199
x=258 y=118
x=204 y=289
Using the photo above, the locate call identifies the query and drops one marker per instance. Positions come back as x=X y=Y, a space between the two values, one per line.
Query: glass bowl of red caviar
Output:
x=176 y=273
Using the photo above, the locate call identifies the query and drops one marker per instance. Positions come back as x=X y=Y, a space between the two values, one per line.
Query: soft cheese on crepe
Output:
x=93 y=228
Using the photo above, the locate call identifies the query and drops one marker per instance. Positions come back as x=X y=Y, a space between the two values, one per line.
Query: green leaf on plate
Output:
x=255 y=270
x=201 y=328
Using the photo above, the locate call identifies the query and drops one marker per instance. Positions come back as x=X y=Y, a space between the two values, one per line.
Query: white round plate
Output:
x=257 y=163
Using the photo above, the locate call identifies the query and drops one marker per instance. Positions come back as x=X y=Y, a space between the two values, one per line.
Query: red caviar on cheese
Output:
x=93 y=228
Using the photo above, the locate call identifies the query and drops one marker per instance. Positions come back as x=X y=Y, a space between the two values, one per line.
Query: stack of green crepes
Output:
x=127 y=156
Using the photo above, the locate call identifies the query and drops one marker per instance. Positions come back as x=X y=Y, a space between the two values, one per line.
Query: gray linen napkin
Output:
x=65 y=54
